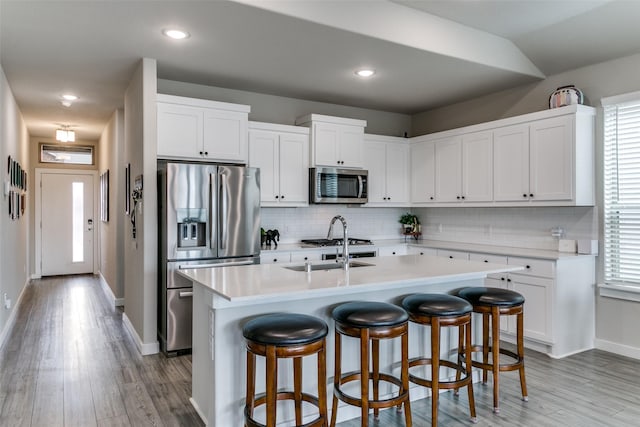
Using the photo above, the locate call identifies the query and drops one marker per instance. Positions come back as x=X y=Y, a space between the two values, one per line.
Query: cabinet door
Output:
x=225 y=135
x=325 y=144
x=375 y=162
x=294 y=169
x=537 y=305
x=423 y=163
x=392 y=250
x=511 y=163
x=350 y=142
x=397 y=173
x=275 y=257
x=453 y=254
x=551 y=159
x=477 y=167
x=302 y=256
x=179 y=131
x=416 y=250
x=263 y=149
x=449 y=170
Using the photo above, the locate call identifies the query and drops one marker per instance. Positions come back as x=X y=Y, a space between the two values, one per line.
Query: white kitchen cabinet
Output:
x=547 y=160
x=452 y=254
x=335 y=141
x=304 y=256
x=423 y=177
x=199 y=129
x=268 y=257
x=392 y=250
x=559 y=310
x=452 y=170
x=282 y=154
x=417 y=250
x=387 y=160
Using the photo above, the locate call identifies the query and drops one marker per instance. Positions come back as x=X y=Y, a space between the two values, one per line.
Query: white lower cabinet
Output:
x=303 y=256
x=392 y=250
x=417 y=250
x=452 y=254
x=275 y=257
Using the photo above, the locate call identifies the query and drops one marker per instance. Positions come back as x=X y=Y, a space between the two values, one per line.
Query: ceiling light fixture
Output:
x=175 y=34
x=64 y=134
x=69 y=97
x=365 y=73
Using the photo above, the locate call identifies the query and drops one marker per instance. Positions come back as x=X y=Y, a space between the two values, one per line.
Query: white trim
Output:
x=38 y=216
x=620 y=349
x=144 y=348
x=11 y=320
x=620 y=99
x=628 y=293
x=202 y=416
x=116 y=302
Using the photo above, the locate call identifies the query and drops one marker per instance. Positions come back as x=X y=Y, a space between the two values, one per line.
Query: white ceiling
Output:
x=426 y=53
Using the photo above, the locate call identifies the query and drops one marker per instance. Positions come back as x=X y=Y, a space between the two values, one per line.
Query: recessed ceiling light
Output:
x=69 y=97
x=365 y=73
x=175 y=34
x=66 y=103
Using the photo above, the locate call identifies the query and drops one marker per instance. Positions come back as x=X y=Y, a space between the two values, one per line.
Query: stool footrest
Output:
x=446 y=385
x=373 y=404
x=261 y=399
x=504 y=367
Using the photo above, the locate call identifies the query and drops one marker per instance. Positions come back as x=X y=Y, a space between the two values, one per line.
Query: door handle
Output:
x=185 y=294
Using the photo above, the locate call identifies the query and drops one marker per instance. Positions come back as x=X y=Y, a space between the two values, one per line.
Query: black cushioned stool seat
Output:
x=438 y=311
x=371 y=322
x=493 y=303
x=285 y=335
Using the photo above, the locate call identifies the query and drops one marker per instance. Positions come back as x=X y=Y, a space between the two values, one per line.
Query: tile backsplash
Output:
x=528 y=227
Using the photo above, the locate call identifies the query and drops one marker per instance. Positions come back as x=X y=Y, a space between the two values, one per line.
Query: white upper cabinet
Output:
x=542 y=159
x=423 y=177
x=282 y=154
x=387 y=160
x=335 y=141
x=198 y=129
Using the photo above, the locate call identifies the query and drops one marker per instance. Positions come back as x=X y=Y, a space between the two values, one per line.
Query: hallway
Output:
x=70 y=362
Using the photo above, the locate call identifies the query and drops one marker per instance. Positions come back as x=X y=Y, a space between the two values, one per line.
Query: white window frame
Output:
x=628 y=288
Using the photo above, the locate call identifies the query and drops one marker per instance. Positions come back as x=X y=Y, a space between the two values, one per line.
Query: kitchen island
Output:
x=224 y=299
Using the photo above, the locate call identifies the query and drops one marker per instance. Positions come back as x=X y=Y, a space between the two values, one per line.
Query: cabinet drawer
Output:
x=276 y=257
x=493 y=259
x=305 y=256
x=534 y=267
x=453 y=254
x=417 y=250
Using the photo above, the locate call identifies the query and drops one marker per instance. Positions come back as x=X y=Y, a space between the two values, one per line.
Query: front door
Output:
x=67 y=230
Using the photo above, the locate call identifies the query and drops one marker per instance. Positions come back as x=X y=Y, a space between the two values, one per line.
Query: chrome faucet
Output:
x=345 y=239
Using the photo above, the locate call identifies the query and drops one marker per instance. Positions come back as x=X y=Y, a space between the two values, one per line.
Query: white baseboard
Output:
x=202 y=416
x=116 y=302
x=620 y=349
x=144 y=348
x=11 y=320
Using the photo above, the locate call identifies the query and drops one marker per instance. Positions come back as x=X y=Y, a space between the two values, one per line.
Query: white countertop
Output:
x=273 y=282
x=434 y=244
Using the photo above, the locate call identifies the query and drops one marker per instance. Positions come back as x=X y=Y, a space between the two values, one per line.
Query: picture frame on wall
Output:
x=104 y=196
x=127 y=189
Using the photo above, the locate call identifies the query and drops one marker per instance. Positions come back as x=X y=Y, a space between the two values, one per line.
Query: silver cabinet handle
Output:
x=360 y=186
x=186 y=294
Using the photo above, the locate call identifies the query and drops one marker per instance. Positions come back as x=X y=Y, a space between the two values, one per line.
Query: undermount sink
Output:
x=331 y=266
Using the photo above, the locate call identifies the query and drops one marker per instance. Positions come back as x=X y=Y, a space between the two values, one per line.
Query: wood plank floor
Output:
x=69 y=362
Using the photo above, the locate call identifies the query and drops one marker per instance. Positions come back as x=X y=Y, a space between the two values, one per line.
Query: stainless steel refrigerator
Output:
x=209 y=216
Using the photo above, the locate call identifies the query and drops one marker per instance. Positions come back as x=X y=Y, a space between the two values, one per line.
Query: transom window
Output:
x=67 y=154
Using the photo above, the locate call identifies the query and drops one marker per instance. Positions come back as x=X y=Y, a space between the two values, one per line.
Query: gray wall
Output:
x=616 y=320
x=14 y=245
x=140 y=254
x=111 y=253
x=281 y=110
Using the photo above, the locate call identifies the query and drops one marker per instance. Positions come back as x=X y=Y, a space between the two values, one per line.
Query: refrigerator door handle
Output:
x=185 y=294
x=224 y=207
x=214 y=265
x=213 y=209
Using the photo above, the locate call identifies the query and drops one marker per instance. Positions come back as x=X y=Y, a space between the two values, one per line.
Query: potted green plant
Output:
x=409 y=223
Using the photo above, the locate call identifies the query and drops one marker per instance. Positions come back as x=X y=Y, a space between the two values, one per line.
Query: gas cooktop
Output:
x=335 y=242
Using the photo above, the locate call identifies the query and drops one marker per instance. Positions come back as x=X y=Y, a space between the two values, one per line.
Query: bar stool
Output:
x=371 y=322
x=493 y=303
x=438 y=311
x=285 y=335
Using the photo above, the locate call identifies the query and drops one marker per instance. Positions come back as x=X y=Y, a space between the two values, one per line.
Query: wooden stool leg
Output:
x=461 y=352
x=404 y=376
x=468 y=368
x=520 y=340
x=375 y=366
x=322 y=382
x=251 y=383
x=364 y=375
x=435 y=369
x=271 y=385
x=337 y=372
x=485 y=344
x=495 y=352
x=297 y=388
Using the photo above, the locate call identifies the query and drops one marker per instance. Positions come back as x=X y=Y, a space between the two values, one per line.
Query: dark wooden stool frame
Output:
x=373 y=334
x=272 y=354
x=491 y=315
x=463 y=322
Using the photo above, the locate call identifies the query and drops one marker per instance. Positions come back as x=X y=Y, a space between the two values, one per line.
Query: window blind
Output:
x=622 y=193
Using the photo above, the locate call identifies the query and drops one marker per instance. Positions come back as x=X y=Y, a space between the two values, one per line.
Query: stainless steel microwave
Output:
x=332 y=185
